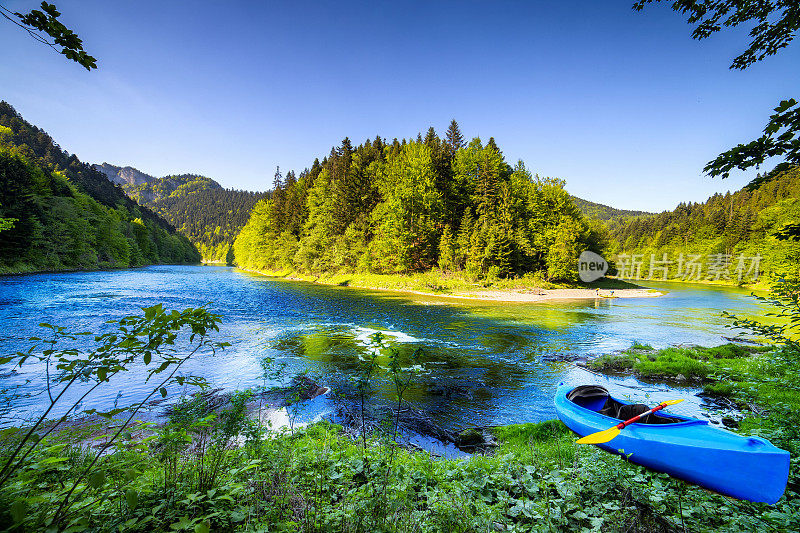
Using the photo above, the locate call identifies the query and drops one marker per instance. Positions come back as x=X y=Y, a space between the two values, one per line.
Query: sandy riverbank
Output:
x=517 y=295
x=527 y=295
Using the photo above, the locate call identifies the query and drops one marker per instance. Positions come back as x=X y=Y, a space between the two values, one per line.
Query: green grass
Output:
x=319 y=480
x=752 y=375
x=639 y=346
x=694 y=363
x=549 y=441
x=748 y=374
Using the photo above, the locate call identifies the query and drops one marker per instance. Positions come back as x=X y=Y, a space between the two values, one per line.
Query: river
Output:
x=484 y=363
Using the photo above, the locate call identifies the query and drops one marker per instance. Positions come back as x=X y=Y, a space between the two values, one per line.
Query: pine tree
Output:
x=454 y=139
x=278 y=199
x=493 y=145
x=431 y=139
x=447 y=252
x=487 y=186
x=463 y=241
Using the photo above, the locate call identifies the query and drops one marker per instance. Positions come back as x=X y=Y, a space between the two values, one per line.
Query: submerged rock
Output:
x=449 y=391
x=475 y=439
x=730 y=422
x=307 y=388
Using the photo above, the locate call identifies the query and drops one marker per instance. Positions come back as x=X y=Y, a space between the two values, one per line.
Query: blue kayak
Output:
x=748 y=468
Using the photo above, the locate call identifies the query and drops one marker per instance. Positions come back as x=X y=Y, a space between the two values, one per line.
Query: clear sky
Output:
x=624 y=106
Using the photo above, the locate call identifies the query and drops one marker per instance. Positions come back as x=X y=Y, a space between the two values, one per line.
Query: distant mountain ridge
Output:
x=604 y=212
x=145 y=188
x=210 y=215
x=124 y=175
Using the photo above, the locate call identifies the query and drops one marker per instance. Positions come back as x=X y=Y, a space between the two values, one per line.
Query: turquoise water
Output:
x=484 y=363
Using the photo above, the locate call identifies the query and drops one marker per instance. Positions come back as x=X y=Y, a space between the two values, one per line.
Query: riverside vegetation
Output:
x=411 y=206
x=57 y=213
x=454 y=210
x=204 y=470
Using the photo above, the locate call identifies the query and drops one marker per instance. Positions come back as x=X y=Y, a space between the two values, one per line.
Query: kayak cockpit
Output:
x=596 y=398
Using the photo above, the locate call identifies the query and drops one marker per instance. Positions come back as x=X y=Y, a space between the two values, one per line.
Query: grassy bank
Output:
x=761 y=285
x=765 y=375
x=440 y=282
x=319 y=479
x=204 y=471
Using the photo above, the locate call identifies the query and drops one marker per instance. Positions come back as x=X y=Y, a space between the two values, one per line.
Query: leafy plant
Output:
x=44 y=25
x=784 y=296
x=149 y=339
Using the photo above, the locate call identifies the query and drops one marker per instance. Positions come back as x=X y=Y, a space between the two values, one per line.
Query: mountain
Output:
x=147 y=189
x=208 y=214
x=57 y=213
x=124 y=176
x=603 y=212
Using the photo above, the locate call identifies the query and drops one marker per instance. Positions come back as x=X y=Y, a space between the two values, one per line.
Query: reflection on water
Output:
x=484 y=363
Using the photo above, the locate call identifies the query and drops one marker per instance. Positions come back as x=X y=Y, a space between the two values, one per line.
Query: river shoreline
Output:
x=527 y=293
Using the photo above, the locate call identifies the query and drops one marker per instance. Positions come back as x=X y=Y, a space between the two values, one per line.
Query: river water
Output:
x=484 y=363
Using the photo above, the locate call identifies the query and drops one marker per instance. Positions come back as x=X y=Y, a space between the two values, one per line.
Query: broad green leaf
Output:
x=18 y=510
x=182 y=523
x=132 y=498
x=97 y=479
x=52 y=461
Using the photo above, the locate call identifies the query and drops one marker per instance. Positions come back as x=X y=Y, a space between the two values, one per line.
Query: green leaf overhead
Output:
x=43 y=25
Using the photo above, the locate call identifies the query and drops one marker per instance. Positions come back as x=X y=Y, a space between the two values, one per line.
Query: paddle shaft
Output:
x=636 y=418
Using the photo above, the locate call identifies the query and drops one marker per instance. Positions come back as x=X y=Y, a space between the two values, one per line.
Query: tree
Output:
x=447 y=256
x=278 y=199
x=781 y=138
x=431 y=139
x=454 y=139
x=408 y=216
x=43 y=24
x=354 y=186
x=561 y=264
x=768 y=37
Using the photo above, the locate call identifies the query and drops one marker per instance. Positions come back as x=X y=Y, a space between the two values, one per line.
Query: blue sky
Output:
x=624 y=106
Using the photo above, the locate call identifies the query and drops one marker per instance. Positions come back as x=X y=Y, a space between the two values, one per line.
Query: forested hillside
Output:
x=198 y=207
x=58 y=213
x=410 y=206
x=603 y=212
x=725 y=226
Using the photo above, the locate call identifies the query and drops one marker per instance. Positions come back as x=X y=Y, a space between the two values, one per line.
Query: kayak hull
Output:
x=748 y=468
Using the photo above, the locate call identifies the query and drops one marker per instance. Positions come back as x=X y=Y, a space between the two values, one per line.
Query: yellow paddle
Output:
x=606 y=435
